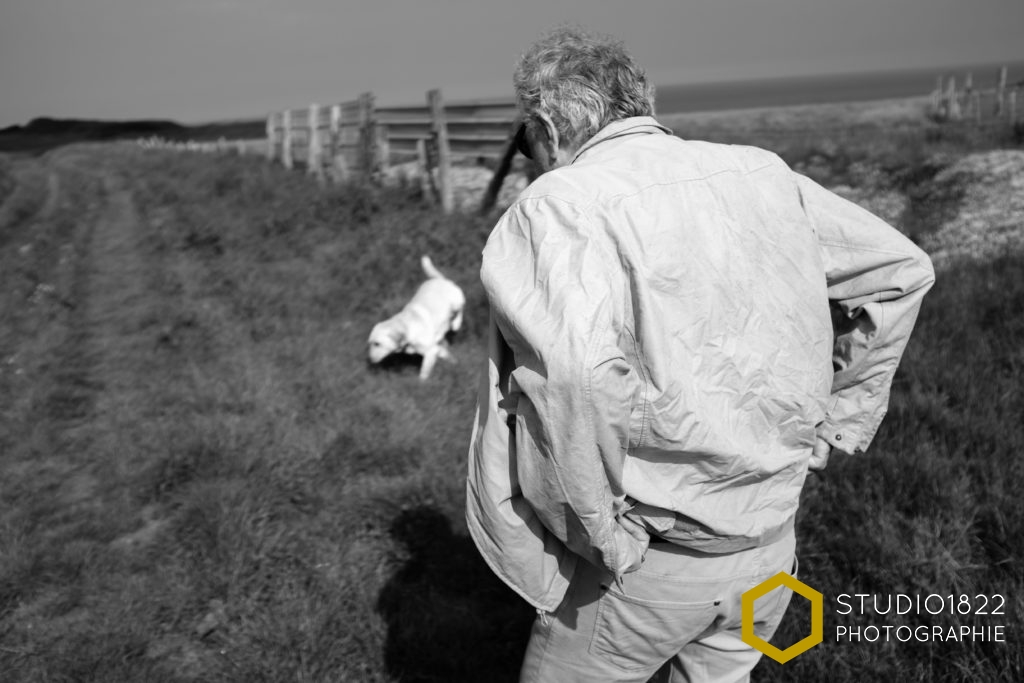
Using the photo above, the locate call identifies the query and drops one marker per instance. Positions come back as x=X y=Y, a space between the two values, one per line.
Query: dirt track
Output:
x=75 y=291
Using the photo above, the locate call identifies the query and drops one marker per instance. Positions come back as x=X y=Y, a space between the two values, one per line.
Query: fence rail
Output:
x=239 y=146
x=357 y=137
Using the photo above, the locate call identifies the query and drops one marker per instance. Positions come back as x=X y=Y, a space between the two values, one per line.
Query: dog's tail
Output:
x=428 y=267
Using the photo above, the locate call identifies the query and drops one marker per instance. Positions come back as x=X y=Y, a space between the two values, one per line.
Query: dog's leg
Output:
x=457 y=321
x=429 y=359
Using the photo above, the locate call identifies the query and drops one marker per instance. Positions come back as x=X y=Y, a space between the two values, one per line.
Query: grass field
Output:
x=202 y=480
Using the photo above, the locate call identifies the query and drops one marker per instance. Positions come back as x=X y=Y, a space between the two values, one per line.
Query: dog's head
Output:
x=385 y=339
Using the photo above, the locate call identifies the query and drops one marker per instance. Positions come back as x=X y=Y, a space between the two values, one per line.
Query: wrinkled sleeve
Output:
x=556 y=295
x=876 y=281
x=508 y=533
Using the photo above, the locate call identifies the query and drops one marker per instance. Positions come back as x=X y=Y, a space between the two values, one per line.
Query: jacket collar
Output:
x=634 y=125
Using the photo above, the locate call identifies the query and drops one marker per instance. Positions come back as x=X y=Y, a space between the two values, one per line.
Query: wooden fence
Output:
x=981 y=105
x=358 y=138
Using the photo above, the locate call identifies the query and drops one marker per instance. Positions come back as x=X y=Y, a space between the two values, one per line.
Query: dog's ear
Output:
x=397 y=333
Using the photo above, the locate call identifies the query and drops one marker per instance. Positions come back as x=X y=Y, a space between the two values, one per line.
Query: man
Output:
x=680 y=330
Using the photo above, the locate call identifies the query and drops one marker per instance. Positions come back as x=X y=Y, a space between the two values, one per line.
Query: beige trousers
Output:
x=676 y=619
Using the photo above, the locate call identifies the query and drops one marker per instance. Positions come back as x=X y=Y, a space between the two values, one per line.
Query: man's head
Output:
x=569 y=85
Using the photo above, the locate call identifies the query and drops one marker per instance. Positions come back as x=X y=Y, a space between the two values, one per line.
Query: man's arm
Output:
x=876 y=281
x=556 y=294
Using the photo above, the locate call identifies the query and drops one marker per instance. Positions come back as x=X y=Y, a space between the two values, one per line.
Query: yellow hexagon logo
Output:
x=798 y=587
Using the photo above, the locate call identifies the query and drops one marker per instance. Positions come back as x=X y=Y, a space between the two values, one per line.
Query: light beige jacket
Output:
x=673 y=322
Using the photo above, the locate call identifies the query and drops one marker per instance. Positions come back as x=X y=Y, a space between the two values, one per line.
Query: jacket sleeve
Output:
x=556 y=296
x=876 y=280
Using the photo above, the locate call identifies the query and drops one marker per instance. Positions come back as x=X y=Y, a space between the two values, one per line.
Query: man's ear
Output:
x=546 y=137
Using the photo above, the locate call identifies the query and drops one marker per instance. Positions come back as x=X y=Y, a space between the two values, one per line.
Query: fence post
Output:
x=937 y=97
x=366 y=134
x=382 y=149
x=333 y=133
x=286 y=141
x=314 y=158
x=952 y=104
x=423 y=171
x=338 y=162
x=968 y=106
x=1001 y=91
x=1012 y=97
x=271 y=124
x=440 y=128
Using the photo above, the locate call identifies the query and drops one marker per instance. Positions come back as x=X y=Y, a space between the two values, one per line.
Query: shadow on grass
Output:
x=449 y=617
x=399 y=363
x=409 y=363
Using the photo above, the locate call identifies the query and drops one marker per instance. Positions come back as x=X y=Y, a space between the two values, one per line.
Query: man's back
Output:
x=722 y=314
x=679 y=331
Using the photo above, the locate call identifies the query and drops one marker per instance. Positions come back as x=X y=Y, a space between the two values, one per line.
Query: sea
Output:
x=848 y=87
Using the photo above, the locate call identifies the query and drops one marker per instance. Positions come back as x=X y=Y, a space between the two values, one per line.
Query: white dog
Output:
x=420 y=327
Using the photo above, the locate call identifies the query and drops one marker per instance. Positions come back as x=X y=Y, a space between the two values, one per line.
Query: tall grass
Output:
x=248 y=498
x=934 y=506
x=7 y=181
x=202 y=479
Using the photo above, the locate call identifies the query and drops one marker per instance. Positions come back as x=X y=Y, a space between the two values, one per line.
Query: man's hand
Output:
x=632 y=546
x=819 y=456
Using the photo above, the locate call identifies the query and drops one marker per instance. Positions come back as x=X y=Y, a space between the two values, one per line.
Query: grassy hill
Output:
x=42 y=134
x=202 y=480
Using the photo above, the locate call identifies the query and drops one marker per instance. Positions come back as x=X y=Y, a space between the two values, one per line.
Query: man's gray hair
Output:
x=583 y=81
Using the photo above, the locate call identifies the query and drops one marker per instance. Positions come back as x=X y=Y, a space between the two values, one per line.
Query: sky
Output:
x=208 y=60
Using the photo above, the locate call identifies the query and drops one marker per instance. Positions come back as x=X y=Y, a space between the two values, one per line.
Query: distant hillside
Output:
x=41 y=134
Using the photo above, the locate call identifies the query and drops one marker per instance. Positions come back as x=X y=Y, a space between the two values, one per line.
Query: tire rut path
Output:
x=66 y=463
x=107 y=282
